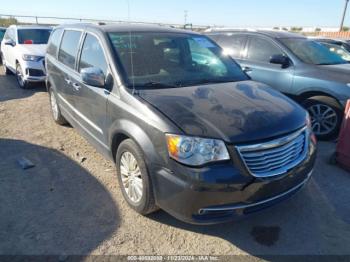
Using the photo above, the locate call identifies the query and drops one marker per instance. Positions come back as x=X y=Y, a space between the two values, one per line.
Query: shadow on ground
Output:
x=11 y=91
x=57 y=207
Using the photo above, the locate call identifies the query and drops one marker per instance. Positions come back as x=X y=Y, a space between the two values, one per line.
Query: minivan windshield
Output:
x=164 y=60
x=33 y=36
x=312 y=52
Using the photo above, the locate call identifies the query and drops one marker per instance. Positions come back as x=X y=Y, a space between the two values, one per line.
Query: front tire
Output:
x=134 y=179
x=55 y=109
x=23 y=84
x=326 y=116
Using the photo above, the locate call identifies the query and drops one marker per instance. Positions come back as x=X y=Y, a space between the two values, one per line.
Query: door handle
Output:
x=247 y=69
x=76 y=86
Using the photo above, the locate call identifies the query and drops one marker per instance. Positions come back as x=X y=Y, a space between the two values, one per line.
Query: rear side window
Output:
x=69 y=48
x=262 y=50
x=92 y=55
x=54 y=42
x=233 y=44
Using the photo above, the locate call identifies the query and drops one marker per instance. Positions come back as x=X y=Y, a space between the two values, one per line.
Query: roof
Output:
x=31 y=27
x=270 y=33
x=128 y=27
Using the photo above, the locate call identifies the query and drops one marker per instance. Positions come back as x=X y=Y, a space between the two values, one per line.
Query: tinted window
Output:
x=176 y=59
x=2 y=33
x=92 y=55
x=54 y=42
x=233 y=44
x=69 y=48
x=33 y=36
x=261 y=50
x=339 y=50
x=312 y=52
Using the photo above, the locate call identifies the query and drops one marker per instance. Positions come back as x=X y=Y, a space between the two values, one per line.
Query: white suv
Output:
x=23 y=51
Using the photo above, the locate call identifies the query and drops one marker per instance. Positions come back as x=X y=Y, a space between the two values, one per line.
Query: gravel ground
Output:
x=70 y=203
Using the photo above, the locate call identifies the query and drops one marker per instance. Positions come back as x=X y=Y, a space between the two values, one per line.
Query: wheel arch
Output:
x=310 y=94
x=125 y=129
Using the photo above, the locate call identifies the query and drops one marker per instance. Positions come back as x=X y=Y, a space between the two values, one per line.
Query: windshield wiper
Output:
x=155 y=85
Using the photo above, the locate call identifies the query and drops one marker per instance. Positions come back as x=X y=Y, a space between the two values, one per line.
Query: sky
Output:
x=245 y=13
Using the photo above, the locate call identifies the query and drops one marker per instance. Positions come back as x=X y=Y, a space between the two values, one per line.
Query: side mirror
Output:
x=9 y=42
x=93 y=76
x=280 y=60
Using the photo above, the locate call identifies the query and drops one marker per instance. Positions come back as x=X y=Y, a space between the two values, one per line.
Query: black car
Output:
x=188 y=130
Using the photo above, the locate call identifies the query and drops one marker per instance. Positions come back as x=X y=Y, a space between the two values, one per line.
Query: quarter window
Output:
x=92 y=55
x=54 y=42
x=69 y=48
x=261 y=50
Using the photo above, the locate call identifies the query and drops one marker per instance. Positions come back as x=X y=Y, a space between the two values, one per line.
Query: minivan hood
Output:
x=38 y=50
x=237 y=112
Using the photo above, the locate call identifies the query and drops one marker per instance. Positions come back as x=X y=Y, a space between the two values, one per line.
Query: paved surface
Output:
x=65 y=205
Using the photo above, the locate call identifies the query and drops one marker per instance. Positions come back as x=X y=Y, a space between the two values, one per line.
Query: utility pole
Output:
x=344 y=14
x=186 y=15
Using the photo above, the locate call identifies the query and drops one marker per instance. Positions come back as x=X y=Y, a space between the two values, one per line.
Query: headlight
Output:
x=195 y=151
x=308 y=122
x=31 y=58
x=309 y=129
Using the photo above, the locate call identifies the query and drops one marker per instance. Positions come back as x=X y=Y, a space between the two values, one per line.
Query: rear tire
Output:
x=326 y=116
x=55 y=109
x=134 y=179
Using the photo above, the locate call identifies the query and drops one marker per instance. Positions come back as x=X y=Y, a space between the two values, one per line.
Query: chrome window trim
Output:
x=276 y=144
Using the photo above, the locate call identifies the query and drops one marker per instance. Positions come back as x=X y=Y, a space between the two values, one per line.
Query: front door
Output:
x=257 y=64
x=91 y=101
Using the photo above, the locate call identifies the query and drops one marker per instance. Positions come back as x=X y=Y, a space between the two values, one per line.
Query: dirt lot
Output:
x=70 y=203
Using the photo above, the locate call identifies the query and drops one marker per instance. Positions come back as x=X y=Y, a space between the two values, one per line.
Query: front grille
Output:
x=35 y=72
x=275 y=157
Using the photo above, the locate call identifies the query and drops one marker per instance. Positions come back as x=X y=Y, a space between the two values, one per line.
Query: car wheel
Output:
x=326 y=116
x=134 y=178
x=20 y=77
x=55 y=109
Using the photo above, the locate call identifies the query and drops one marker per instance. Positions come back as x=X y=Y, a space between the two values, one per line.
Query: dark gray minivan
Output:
x=299 y=67
x=188 y=130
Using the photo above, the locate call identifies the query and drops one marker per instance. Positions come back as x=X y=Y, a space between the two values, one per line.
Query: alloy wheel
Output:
x=324 y=119
x=54 y=106
x=19 y=75
x=131 y=177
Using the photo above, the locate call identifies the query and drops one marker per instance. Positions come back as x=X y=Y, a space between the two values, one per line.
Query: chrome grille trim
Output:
x=275 y=157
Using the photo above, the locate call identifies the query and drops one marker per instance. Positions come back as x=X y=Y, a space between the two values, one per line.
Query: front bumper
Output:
x=34 y=71
x=224 y=192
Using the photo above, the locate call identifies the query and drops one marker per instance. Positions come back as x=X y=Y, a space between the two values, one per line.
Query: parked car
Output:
x=23 y=51
x=2 y=32
x=340 y=47
x=187 y=129
x=299 y=67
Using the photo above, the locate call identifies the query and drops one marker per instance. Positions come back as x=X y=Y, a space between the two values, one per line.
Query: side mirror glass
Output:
x=9 y=42
x=280 y=60
x=93 y=76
